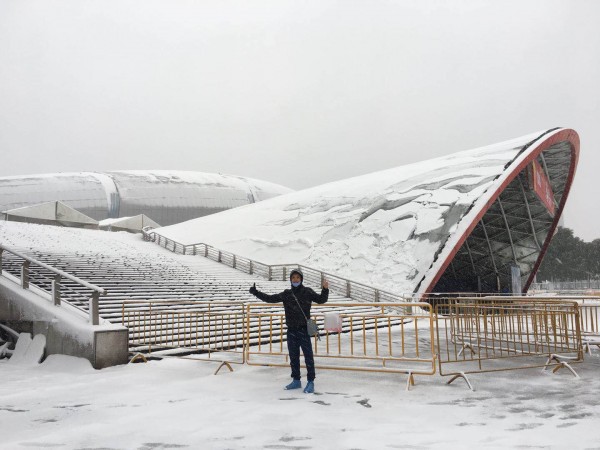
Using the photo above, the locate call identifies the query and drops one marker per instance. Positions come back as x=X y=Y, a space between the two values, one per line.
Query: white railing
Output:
x=35 y=272
x=579 y=285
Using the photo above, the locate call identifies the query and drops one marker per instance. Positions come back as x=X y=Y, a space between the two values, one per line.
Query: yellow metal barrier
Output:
x=496 y=334
x=208 y=330
x=376 y=337
x=590 y=323
x=466 y=335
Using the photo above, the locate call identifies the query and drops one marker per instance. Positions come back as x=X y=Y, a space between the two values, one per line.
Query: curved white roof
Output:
x=400 y=229
x=166 y=196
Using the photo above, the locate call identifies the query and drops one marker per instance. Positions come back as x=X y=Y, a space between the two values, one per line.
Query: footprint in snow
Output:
x=525 y=426
x=364 y=402
x=287 y=438
x=11 y=409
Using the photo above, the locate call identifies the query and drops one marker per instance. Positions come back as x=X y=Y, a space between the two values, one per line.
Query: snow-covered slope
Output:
x=384 y=228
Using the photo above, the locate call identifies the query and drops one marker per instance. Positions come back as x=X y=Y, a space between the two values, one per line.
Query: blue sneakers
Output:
x=295 y=384
x=310 y=388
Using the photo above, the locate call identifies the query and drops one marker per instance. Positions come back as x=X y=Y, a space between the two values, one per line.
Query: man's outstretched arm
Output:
x=275 y=298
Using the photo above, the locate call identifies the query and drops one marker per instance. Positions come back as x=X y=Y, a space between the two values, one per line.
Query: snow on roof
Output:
x=169 y=196
x=385 y=229
x=133 y=223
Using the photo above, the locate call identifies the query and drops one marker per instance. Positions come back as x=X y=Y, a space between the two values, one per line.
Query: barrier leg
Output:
x=138 y=357
x=410 y=381
x=560 y=360
x=224 y=363
x=464 y=377
x=469 y=346
x=587 y=346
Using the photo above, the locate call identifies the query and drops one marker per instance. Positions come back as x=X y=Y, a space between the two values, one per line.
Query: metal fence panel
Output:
x=493 y=334
x=376 y=338
x=210 y=330
x=589 y=315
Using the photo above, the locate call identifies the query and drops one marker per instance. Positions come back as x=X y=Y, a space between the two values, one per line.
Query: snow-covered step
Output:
x=133 y=272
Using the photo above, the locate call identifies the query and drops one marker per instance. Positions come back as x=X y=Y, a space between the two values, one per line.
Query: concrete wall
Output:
x=66 y=328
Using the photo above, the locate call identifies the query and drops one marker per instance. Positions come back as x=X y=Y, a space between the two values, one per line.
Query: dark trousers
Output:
x=297 y=339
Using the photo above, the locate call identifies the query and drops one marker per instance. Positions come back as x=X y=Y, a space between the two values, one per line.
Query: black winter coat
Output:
x=294 y=318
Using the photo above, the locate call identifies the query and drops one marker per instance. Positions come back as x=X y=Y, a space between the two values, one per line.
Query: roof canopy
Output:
x=166 y=195
x=464 y=222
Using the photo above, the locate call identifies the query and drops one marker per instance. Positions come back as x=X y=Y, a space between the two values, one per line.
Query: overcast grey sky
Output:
x=295 y=92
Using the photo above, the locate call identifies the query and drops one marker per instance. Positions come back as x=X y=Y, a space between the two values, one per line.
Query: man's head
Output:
x=296 y=277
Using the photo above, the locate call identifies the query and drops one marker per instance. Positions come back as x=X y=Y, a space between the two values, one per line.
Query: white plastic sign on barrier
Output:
x=333 y=322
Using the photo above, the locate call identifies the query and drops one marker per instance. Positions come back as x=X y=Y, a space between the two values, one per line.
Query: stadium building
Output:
x=474 y=221
x=167 y=197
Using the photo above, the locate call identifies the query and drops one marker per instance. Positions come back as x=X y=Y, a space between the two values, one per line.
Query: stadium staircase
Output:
x=196 y=276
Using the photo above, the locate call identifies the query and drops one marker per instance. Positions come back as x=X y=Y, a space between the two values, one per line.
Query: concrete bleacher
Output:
x=134 y=274
x=201 y=280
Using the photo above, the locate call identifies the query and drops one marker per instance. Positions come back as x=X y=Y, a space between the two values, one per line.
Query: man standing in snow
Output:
x=297 y=302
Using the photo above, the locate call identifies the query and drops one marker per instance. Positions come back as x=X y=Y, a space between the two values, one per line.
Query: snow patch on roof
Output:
x=384 y=228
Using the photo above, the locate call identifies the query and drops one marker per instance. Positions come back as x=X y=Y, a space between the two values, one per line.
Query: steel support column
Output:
x=512 y=245
x=529 y=214
x=470 y=256
x=489 y=246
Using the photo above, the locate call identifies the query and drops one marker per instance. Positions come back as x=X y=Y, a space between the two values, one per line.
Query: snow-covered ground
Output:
x=64 y=403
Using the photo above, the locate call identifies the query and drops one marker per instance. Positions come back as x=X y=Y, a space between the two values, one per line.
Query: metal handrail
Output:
x=93 y=311
x=349 y=285
x=238 y=261
x=566 y=285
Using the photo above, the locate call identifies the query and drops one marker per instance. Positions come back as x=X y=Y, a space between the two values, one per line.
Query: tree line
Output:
x=569 y=258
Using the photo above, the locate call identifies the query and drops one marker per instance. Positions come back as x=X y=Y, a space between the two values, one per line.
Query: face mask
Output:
x=296 y=284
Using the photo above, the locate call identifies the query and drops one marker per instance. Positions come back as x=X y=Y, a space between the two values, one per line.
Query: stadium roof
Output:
x=167 y=196
x=479 y=220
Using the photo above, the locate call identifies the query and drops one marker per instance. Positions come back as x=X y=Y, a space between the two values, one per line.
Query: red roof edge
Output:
x=534 y=151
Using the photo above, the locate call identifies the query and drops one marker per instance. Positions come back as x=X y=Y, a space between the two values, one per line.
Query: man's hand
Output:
x=325 y=284
x=253 y=289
